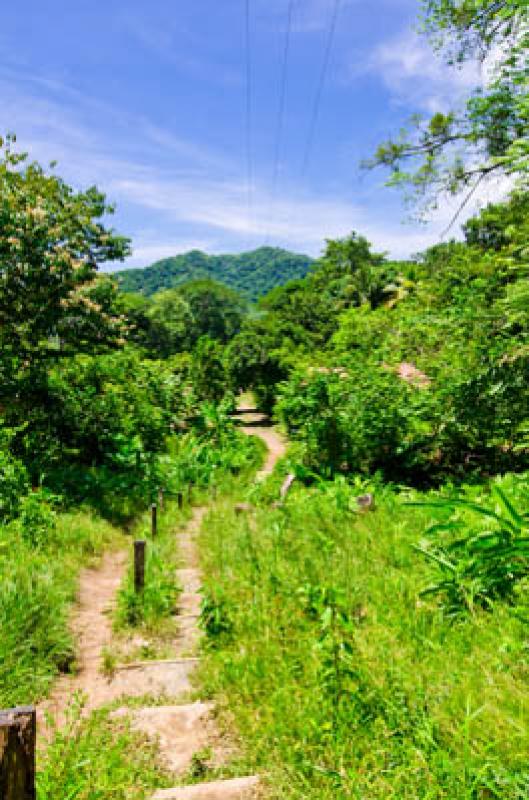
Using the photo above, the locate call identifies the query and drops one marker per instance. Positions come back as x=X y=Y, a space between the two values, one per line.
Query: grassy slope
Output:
x=418 y=708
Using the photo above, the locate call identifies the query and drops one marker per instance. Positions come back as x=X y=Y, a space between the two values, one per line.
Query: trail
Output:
x=254 y=423
x=92 y=629
x=181 y=728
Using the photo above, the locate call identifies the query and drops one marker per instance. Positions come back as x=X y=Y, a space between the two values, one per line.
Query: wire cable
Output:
x=248 y=132
x=281 y=114
x=321 y=86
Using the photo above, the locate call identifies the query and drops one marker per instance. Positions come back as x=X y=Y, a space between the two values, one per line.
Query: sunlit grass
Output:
x=37 y=588
x=342 y=681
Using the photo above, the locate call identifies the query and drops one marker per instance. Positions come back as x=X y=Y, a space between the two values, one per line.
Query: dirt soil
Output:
x=180 y=729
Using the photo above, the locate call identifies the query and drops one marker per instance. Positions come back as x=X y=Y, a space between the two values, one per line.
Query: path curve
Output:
x=254 y=423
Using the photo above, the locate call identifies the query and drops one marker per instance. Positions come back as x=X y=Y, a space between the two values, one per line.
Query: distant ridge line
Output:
x=252 y=274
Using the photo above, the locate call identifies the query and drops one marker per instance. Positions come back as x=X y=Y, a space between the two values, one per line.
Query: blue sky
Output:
x=147 y=99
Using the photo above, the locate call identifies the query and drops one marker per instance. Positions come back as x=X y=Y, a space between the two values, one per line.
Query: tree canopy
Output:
x=454 y=150
x=52 y=242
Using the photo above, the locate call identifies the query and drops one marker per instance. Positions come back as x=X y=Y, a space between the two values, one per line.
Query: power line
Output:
x=249 y=159
x=281 y=111
x=321 y=85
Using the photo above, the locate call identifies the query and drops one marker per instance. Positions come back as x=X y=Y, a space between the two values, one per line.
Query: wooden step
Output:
x=235 y=789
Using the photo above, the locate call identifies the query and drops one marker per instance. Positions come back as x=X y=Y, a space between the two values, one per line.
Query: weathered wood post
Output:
x=180 y=500
x=154 y=520
x=139 y=565
x=18 y=733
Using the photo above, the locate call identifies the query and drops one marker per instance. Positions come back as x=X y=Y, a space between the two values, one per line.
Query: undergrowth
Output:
x=345 y=682
x=153 y=607
x=98 y=757
x=41 y=554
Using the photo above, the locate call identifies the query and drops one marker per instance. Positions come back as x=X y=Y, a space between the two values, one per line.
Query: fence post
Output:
x=180 y=499
x=154 y=520
x=18 y=733
x=139 y=565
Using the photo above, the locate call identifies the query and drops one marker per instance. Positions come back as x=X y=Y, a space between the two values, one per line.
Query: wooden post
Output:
x=18 y=733
x=180 y=500
x=154 y=520
x=139 y=565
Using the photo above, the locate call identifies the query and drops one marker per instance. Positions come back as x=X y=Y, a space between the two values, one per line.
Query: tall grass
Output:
x=38 y=583
x=156 y=604
x=98 y=757
x=344 y=682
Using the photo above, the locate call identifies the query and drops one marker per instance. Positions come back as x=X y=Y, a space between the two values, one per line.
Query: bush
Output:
x=349 y=420
x=13 y=483
x=37 y=519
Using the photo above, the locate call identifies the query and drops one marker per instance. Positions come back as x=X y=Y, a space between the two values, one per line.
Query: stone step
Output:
x=181 y=731
x=171 y=678
x=235 y=789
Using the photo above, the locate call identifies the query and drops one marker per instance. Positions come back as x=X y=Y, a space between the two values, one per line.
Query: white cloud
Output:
x=416 y=76
x=188 y=196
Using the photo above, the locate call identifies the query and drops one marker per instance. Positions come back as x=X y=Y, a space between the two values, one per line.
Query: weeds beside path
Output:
x=152 y=698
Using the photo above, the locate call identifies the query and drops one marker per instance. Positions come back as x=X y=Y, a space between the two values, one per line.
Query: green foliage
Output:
x=13 y=480
x=341 y=680
x=158 y=601
x=208 y=371
x=38 y=584
x=251 y=274
x=215 y=618
x=37 y=519
x=98 y=757
x=348 y=419
x=217 y=311
x=107 y=426
x=454 y=151
x=481 y=552
x=172 y=322
x=257 y=358
x=51 y=243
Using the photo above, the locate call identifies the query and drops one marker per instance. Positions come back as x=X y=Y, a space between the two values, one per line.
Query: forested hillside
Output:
x=251 y=274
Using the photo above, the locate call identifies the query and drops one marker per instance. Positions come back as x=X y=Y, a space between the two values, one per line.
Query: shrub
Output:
x=13 y=483
x=481 y=552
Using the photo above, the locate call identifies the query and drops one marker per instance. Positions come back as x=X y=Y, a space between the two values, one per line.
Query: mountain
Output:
x=252 y=274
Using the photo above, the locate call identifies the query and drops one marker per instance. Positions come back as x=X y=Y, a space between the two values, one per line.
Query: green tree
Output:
x=208 y=371
x=172 y=321
x=454 y=151
x=52 y=241
x=217 y=311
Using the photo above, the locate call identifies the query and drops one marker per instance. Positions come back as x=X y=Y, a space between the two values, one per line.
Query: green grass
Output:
x=344 y=683
x=38 y=585
x=98 y=758
x=153 y=610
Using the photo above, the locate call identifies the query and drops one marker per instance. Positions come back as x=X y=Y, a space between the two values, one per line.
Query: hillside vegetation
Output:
x=251 y=274
x=366 y=636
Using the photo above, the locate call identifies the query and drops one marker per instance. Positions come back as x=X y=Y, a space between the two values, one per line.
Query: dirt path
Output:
x=256 y=424
x=92 y=628
x=180 y=728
